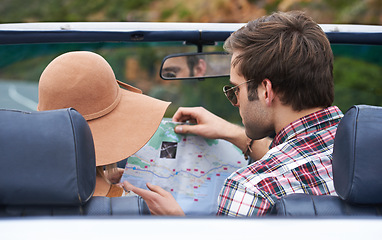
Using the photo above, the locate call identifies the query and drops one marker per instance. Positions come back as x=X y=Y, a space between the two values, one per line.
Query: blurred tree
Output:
x=71 y=10
x=357 y=75
x=323 y=11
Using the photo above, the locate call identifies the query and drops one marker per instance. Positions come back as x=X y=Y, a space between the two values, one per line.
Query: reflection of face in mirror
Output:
x=183 y=67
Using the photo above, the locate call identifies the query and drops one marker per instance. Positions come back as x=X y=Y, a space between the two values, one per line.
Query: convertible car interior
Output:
x=47 y=158
x=26 y=191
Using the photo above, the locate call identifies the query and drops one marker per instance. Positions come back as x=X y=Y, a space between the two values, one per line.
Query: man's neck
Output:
x=284 y=115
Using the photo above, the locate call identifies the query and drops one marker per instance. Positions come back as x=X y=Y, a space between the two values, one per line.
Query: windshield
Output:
x=357 y=71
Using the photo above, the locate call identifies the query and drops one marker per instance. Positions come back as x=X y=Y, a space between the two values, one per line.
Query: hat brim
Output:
x=127 y=128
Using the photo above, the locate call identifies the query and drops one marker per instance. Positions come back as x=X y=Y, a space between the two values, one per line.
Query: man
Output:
x=281 y=72
x=184 y=67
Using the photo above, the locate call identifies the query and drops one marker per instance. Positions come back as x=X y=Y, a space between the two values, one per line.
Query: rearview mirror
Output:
x=195 y=65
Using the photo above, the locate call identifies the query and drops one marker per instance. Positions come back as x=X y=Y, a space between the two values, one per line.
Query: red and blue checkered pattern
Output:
x=299 y=161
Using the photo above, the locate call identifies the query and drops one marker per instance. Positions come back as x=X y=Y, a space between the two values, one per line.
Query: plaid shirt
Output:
x=299 y=161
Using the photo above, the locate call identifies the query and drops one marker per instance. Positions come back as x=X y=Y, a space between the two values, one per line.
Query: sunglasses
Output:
x=231 y=92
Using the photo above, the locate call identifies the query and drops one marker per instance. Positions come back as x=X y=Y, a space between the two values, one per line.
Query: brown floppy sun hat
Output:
x=121 y=120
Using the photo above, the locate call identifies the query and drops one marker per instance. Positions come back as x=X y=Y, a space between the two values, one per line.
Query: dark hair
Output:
x=192 y=61
x=290 y=50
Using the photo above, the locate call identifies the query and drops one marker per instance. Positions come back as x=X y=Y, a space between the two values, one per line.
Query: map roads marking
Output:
x=192 y=168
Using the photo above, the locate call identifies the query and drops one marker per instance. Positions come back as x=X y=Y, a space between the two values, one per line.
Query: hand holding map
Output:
x=191 y=168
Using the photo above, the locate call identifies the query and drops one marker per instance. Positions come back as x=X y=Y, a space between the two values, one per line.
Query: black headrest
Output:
x=47 y=158
x=357 y=161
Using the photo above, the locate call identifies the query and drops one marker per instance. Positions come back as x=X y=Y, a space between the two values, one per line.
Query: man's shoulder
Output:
x=309 y=127
x=280 y=160
x=313 y=139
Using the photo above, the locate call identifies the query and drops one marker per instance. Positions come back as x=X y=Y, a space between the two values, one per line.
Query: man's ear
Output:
x=269 y=93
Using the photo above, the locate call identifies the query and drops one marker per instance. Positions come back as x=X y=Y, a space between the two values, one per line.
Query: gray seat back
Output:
x=48 y=167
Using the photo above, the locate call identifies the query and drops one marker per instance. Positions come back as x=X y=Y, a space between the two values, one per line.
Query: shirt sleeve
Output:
x=236 y=200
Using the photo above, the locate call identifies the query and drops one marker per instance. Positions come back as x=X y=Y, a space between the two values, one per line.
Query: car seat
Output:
x=357 y=167
x=48 y=167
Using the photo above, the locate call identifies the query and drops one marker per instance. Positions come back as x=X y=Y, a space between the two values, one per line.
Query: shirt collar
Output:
x=310 y=123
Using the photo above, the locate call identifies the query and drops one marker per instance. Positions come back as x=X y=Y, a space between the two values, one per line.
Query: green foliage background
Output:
x=357 y=70
x=357 y=75
x=323 y=11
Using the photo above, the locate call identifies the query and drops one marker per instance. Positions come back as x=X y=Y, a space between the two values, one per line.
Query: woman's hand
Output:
x=159 y=201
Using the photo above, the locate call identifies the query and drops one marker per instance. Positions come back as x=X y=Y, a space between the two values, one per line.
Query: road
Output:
x=18 y=95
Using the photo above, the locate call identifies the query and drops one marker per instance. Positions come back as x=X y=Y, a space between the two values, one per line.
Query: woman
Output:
x=121 y=118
